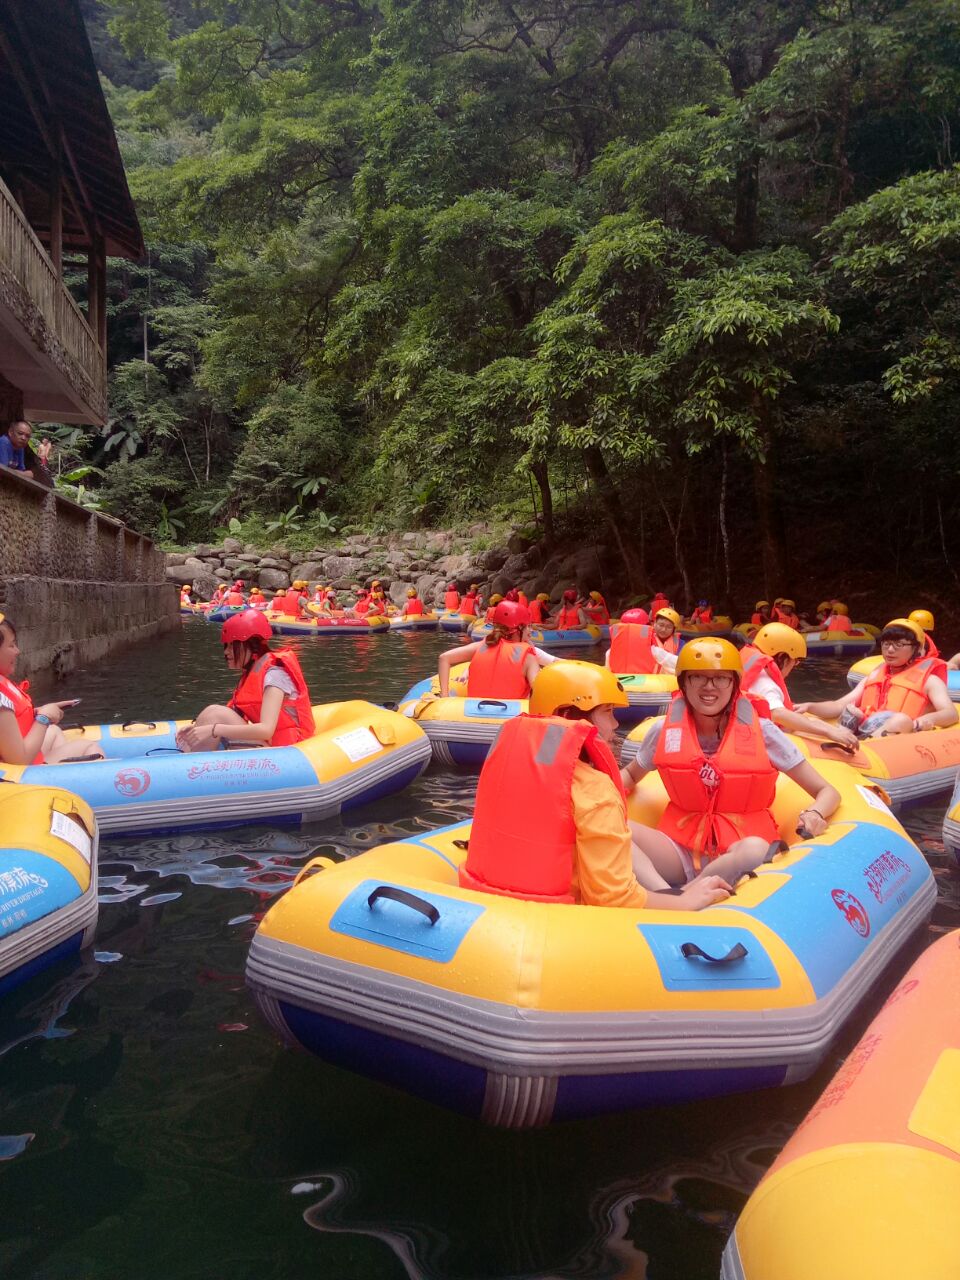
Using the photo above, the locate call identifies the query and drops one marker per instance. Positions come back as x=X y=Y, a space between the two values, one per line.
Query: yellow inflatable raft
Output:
x=461 y=729
x=48 y=879
x=869 y=1185
x=520 y=1012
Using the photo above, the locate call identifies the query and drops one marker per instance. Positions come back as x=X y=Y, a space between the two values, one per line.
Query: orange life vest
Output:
x=234 y=599
x=496 y=671
x=414 y=608
x=715 y=800
x=569 y=619
x=757 y=663
x=598 y=614
x=451 y=600
x=468 y=605
x=837 y=622
x=631 y=652
x=290 y=604
x=658 y=602
x=362 y=606
x=23 y=708
x=756 y=620
x=931 y=650
x=488 y=616
x=536 y=610
x=524 y=839
x=904 y=690
x=703 y=616
x=296 y=716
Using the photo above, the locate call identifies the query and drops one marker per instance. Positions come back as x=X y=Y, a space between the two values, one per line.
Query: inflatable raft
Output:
x=720 y=626
x=425 y=622
x=908 y=767
x=283 y=625
x=48 y=879
x=951 y=825
x=568 y=638
x=870 y=1183
x=648 y=696
x=358 y=753
x=456 y=622
x=860 y=670
x=520 y=1013
x=461 y=729
x=840 y=644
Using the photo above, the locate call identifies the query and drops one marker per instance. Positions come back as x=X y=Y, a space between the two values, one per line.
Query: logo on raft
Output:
x=885 y=875
x=251 y=767
x=853 y=911
x=132 y=782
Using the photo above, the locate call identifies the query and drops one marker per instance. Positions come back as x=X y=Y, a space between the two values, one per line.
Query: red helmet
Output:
x=509 y=613
x=569 y=595
x=238 y=585
x=634 y=617
x=513 y=595
x=244 y=625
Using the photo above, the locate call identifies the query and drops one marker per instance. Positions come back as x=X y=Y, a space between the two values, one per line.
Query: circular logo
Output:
x=853 y=911
x=132 y=782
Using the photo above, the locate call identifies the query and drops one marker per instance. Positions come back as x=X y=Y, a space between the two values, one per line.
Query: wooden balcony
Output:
x=47 y=348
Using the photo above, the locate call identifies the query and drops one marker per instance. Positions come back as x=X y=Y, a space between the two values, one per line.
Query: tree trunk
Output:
x=675 y=528
x=724 y=535
x=773 y=548
x=620 y=522
x=541 y=474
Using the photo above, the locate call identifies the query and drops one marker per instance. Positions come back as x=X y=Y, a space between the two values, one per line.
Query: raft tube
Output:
x=48 y=879
x=648 y=695
x=283 y=625
x=860 y=670
x=839 y=644
x=870 y=1182
x=951 y=825
x=359 y=753
x=425 y=622
x=519 y=1013
x=568 y=638
x=461 y=730
x=460 y=623
x=720 y=626
x=908 y=767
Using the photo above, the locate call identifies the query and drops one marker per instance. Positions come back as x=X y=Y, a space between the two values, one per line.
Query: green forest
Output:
x=683 y=273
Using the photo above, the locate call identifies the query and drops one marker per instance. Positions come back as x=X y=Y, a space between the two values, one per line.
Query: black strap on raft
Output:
x=461 y=844
x=689 y=950
x=67 y=725
x=159 y=751
x=491 y=702
x=776 y=846
x=81 y=759
x=407 y=899
x=131 y=724
x=838 y=746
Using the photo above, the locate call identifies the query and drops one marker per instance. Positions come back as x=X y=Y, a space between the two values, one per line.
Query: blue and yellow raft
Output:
x=520 y=1013
x=461 y=729
x=358 y=753
x=48 y=879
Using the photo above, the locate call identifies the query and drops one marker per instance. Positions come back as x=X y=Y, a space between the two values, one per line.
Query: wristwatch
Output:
x=40 y=718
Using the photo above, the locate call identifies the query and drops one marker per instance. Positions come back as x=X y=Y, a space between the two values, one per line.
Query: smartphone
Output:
x=71 y=702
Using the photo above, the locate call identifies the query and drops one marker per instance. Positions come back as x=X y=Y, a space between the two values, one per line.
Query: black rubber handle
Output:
x=159 y=751
x=838 y=746
x=65 y=725
x=144 y=724
x=406 y=899
x=689 y=950
x=491 y=702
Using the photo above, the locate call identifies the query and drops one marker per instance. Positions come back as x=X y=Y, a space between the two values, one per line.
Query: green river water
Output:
x=151 y=1128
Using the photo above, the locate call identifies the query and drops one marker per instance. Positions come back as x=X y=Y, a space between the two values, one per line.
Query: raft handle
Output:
x=461 y=844
x=319 y=863
x=690 y=949
x=406 y=899
x=145 y=724
x=159 y=751
x=491 y=702
x=838 y=746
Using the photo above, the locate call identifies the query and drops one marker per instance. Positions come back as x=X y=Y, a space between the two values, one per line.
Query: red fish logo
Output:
x=853 y=910
x=132 y=782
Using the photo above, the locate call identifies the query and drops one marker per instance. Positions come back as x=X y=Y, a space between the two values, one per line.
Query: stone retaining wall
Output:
x=77 y=584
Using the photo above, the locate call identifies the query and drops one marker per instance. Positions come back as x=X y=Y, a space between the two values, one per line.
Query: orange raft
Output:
x=870 y=1183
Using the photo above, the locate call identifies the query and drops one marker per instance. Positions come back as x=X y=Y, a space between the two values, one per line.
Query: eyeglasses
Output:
x=896 y=644
x=702 y=679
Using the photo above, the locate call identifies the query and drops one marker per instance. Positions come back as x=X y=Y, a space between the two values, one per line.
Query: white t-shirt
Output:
x=784 y=755
x=277 y=678
x=6 y=704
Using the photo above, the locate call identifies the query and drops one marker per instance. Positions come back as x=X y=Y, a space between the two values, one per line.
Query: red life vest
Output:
x=414 y=607
x=837 y=622
x=703 y=616
x=523 y=841
x=757 y=663
x=904 y=690
x=23 y=708
x=496 y=671
x=488 y=616
x=362 y=606
x=789 y=618
x=290 y=604
x=468 y=605
x=715 y=800
x=569 y=619
x=536 y=610
x=658 y=602
x=931 y=650
x=234 y=599
x=630 y=649
x=598 y=614
x=296 y=717
x=451 y=601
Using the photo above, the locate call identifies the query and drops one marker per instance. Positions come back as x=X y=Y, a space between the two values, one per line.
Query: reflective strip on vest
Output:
x=903 y=690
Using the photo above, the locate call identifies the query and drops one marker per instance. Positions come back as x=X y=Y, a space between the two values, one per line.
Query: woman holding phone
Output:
x=29 y=734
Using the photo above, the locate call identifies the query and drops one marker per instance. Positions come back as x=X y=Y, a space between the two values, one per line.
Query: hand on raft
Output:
x=193 y=737
x=704 y=892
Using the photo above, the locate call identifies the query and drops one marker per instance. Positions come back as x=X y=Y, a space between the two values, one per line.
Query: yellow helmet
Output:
x=777 y=637
x=824 y=606
x=583 y=685
x=840 y=607
x=495 y=599
x=544 y=597
x=595 y=595
x=789 y=604
x=762 y=604
x=709 y=654
x=909 y=625
x=923 y=618
x=778 y=600
x=411 y=592
x=671 y=615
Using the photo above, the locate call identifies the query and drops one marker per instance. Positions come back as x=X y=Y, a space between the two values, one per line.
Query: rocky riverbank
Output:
x=427 y=560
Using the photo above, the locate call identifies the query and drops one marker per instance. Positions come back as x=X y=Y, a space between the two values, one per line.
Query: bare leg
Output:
x=656 y=863
x=57 y=747
x=208 y=717
x=742 y=856
x=897 y=723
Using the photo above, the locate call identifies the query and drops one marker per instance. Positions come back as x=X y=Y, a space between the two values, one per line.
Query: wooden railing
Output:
x=24 y=257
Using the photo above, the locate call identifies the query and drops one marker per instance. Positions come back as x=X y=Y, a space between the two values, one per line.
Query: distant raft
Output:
x=520 y=1013
x=359 y=753
x=48 y=879
x=419 y=622
x=870 y=1183
x=840 y=644
x=562 y=638
x=452 y=621
x=648 y=695
x=908 y=767
x=283 y=624
x=722 y=625
x=461 y=730
x=860 y=670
